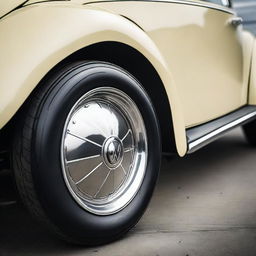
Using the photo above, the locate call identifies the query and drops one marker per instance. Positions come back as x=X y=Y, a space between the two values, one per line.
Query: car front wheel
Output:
x=87 y=152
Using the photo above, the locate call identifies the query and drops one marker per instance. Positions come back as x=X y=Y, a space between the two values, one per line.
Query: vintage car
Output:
x=94 y=91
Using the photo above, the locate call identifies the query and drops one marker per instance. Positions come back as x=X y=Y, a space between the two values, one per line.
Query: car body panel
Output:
x=33 y=45
x=252 y=87
x=204 y=53
x=29 y=54
x=9 y=5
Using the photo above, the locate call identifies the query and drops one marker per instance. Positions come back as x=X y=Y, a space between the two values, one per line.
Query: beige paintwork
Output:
x=203 y=52
x=8 y=5
x=252 y=88
x=202 y=61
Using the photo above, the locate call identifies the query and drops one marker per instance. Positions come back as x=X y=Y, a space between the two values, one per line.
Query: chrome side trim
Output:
x=206 y=139
x=187 y=2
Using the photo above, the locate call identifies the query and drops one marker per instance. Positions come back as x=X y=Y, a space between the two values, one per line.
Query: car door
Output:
x=219 y=59
x=205 y=50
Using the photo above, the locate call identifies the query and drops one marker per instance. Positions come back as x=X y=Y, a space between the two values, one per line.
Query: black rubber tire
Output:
x=36 y=154
x=250 y=132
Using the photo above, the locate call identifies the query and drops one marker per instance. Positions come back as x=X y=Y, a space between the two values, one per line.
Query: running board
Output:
x=201 y=135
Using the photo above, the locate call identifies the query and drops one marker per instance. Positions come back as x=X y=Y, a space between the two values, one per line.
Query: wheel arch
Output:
x=37 y=54
x=136 y=64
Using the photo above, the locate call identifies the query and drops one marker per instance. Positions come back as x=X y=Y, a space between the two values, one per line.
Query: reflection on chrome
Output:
x=103 y=140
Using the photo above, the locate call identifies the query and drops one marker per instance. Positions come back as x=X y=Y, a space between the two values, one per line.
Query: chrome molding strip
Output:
x=203 y=141
x=187 y=2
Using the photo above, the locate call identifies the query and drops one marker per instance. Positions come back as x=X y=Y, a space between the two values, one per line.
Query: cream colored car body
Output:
x=203 y=61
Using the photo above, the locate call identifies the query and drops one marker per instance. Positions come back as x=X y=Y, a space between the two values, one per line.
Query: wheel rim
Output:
x=104 y=150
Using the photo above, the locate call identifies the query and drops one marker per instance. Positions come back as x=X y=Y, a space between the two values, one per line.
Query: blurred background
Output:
x=204 y=204
x=247 y=10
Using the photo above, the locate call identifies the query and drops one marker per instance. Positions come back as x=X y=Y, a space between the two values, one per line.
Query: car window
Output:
x=220 y=2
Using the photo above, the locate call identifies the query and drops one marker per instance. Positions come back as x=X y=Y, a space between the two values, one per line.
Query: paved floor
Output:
x=204 y=204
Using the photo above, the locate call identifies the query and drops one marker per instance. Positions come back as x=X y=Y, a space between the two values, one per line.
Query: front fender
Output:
x=252 y=85
x=36 y=38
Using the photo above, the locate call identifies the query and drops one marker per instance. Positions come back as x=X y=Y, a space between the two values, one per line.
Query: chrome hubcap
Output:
x=104 y=151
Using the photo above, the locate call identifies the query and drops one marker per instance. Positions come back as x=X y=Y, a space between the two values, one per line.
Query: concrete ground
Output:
x=204 y=204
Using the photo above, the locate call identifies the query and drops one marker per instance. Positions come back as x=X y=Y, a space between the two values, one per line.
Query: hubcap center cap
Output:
x=113 y=152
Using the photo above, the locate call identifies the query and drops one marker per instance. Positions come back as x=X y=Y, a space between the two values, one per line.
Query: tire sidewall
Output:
x=56 y=200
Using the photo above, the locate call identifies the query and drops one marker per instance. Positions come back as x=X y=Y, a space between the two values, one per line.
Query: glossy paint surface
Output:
x=203 y=61
x=9 y=5
x=33 y=48
x=252 y=88
x=203 y=52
